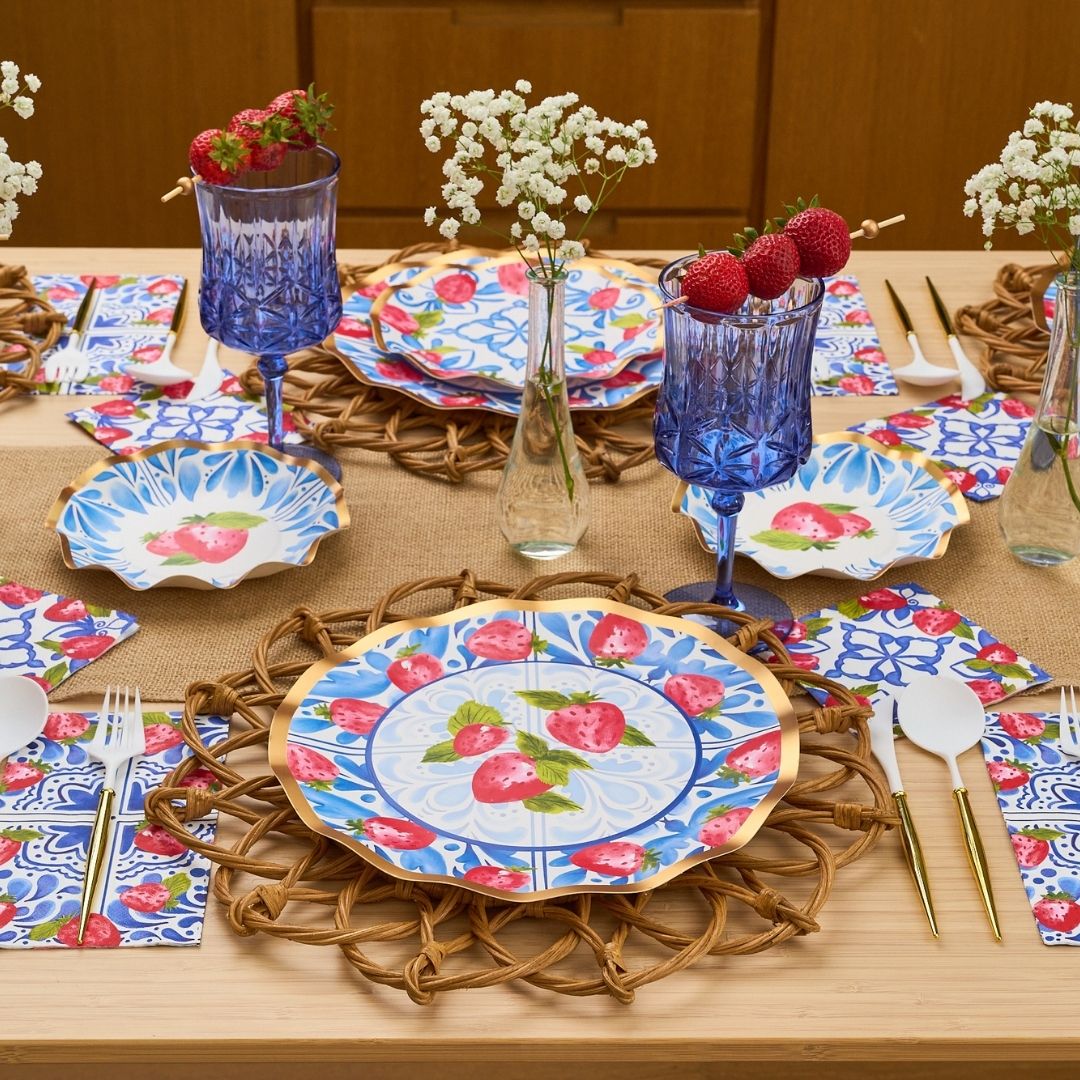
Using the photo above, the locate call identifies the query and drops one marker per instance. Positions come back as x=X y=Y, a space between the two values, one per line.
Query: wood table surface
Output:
x=872 y=986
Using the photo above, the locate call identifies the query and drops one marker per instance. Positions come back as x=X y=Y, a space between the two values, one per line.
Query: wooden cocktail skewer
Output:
x=185 y=185
x=867 y=229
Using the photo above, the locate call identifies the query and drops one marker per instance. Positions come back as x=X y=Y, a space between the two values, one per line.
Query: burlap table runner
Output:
x=407 y=526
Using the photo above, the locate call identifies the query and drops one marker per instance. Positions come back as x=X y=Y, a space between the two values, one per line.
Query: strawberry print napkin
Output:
x=1038 y=790
x=159 y=414
x=153 y=889
x=875 y=642
x=48 y=637
x=976 y=442
x=848 y=358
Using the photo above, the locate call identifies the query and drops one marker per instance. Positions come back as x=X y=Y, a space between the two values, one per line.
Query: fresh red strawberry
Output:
x=118 y=409
x=603 y=299
x=512 y=277
x=116 y=384
x=265 y=133
x=822 y=240
x=66 y=610
x=716 y=282
x=771 y=263
x=997 y=653
x=504 y=639
x=398 y=318
x=885 y=437
x=399 y=371
x=1003 y=474
x=65 y=727
x=18 y=775
x=210 y=543
x=413 y=669
x=1022 y=725
x=935 y=621
x=616 y=640
x=354 y=328
x=883 y=600
x=13 y=839
x=696 y=695
x=308 y=112
x=721 y=824
x=808 y=520
x=455 y=288
x=963 y=479
x=616 y=858
x=163 y=287
x=853 y=525
x=310 y=767
x=587 y=724
x=497 y=877
x=1008 y=775
x=507 y=777
x=909 y=420
x=86 y=646
x=395 y=833
x=217 y=156
x=162 y=737
x=147 y=354
x=1032 y=846
x=14 y=595
x=162 y=543
x=599 y=357
x=156 y=840
x=352 y=714
x=476 y=739
x=101 y=933
x=861 y=385
x=1058 y=911
x=756 y=757
x=988 y=691
x=108 y=435
x=7 y=909
x=1018 y=410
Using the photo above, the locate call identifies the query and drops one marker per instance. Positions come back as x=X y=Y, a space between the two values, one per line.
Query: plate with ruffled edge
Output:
x=197 y=515
x=469 y=323
x=528 y=749
x=853 y=510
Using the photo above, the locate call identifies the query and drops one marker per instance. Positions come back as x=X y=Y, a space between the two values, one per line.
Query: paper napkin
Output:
x=976 y=442
x=153 y=889
x=48 y=637
x=848 y=358
x=875 y=642
x=1038 y=790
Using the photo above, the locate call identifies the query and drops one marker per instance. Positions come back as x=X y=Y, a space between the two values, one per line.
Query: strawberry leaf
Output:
x=567 y=758
x=732 y=776
x=837 y=508
x=538 y=644
x=550 y=803
x=52 y=646
x=97 y=611
x=20 y=835
x=814 y=627
x=1010 y=671
x=409 y=650
x=427 y=319
x=57 y=673
x=582 y=349
x=650 y=860
x=717 y=811
x=866 y=690
x=544 y=699
x=627 y=322
x=181 y=558
x=322 y=711
x=961 y=629
x=177 y=884
x=441 y=752
x=472 y=712
x=1041 y=834
x=532 y=745
x=46 y=930
x=632 y=736
x=552 y=773
x=234 y=519
x=782 y=540
x=851 y=609
x=978 y=665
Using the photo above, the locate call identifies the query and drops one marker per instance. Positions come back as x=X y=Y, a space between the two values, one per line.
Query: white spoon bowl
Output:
x=24 y=708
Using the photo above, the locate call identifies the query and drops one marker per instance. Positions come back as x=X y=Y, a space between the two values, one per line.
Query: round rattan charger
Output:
x=29 y=323
x=444 y=443
x=459 y=939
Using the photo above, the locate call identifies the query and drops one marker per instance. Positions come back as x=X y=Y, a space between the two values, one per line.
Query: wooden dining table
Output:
x=871 y=995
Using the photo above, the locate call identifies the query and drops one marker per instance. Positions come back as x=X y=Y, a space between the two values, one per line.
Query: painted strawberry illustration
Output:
x=527 y=775
x=616 y=858
x=862 y=385
x=66 y=727
x=15 y=596
x=512 y=278
x=1032 y=846
x=599 y=357
x=455 y=288
x=118 y=409
x=997 y=653
x=757 y=757
x=160 y=316
x=62 y=292
x=885 y=437
x=1018 y=410
x=797 y=634
x=82 y=647
x=1058 y=911
x=1008 y=775
x=212 y=538
x=7 y=909
x=162 y=543
x=147 y=354
x=583 y=721
x=394 y=833
x=858 y=317
x=399 y=371
x=808 y=520
x=413 y=669
x=351 y=714
x=310 y=767
x=108 y=434
x=989 y=691
x=504 y=639
x=806 y=661
x=910 y=420
x=616 y=640
x=627 y=377
x=156 y=840
x=116 y=384
x=882 y=600
x=179 y=391
x=1027 y=727
x=479 y=739
x=855 y=525
x=721 y=824
x=354 y=328
x=162 y=287
x=101 y=933
x=604 y=299
x=13 y=839
x=203 y=778
x=963 y=479
x=161 y=733
x=65 y=610
x=696 y=695
x=462 y=401
x=153 y=896
x=19 y=775
x=869 y=354
x=1003 y=474
x=505 y=879
x=475 y=728
x=842 y=288
x=935 y=621
x=399 y=319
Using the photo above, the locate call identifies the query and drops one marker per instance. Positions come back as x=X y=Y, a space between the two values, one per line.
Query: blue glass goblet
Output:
x=269 y=270
x=733 y=415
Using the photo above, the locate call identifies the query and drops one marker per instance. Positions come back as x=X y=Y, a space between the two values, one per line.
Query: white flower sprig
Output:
x=1035 y=184
x=549 y=162
x=16 y=178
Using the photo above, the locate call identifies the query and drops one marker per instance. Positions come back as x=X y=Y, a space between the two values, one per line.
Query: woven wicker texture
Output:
x=445 y=443
x=321 y=894
x=30 y=324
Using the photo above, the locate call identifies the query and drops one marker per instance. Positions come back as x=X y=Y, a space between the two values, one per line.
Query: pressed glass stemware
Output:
x=269 y=270
x=733 y=415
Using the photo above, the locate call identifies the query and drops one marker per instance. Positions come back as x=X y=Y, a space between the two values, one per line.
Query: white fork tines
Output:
x=69 y=364
x=1069 y=728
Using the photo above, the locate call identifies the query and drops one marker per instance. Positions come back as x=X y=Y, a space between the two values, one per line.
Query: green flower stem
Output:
x=544 y=379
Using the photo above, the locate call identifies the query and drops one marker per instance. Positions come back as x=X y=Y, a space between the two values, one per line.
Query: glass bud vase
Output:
x=543 y=499
x=1040 y=506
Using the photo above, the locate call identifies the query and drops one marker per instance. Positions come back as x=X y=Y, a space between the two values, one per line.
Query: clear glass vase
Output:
x=1040 y=506
x=543 y=499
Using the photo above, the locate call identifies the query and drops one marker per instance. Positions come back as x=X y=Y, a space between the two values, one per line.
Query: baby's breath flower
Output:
x=449 y=228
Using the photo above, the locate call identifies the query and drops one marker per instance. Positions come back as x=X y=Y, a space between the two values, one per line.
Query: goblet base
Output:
x=320 y=457
x=755 y=601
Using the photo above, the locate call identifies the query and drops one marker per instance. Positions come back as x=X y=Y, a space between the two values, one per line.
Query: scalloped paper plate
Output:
x=527 y=749
x=854 y=510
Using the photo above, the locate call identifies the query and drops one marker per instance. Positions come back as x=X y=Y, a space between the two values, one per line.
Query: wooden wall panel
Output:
x=125 y=88
x=890 y=106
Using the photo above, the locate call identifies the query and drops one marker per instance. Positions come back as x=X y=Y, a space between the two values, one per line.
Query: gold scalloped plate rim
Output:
x=182 y=581
x=956 y=499
x=785 y=715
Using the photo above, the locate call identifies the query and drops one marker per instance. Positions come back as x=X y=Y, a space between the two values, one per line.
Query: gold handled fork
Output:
x=119 y=737
x=71 y=364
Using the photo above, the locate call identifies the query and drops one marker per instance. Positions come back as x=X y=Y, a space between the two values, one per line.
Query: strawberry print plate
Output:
x=530 y=749
x=854 y=509
x=469 y=323
x=197 y=515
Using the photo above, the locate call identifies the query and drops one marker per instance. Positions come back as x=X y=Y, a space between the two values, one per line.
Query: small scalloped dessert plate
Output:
x=855 y=509
x=197 y=515
x=526 y=749
x=468 y=322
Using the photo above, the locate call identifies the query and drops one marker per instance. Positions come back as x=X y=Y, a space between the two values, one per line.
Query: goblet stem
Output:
x=727 y=506
x=272 y=369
